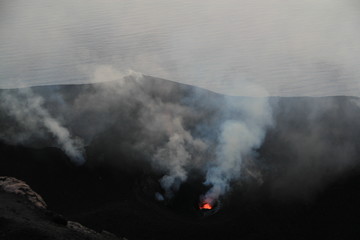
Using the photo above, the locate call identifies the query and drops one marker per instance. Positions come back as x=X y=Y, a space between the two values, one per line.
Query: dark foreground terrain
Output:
x=24 y=216
x=101 y=199
x=306 y=186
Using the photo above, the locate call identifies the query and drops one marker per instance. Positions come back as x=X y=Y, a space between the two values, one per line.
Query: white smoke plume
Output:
x=131 y=120
x=167 y=125
x=175 y=156
x=238 y=140
x=162 y=121
x=29 y=112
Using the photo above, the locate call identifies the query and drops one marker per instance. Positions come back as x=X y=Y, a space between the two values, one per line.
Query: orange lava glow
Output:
x=205 y=206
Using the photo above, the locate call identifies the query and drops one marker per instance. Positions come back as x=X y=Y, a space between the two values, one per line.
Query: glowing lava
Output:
x=206 y=206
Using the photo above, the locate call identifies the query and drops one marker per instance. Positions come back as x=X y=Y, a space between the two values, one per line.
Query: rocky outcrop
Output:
x=19 y=219
x=13 y=185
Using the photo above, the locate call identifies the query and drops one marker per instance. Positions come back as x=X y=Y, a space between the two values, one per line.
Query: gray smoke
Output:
x=28 y=111
x=132 y=120
x=173 y=149
x=161 y=122
x=313 y=144
x=175 y=156
x=151 y=118
x=291 y=48
x=238 y=140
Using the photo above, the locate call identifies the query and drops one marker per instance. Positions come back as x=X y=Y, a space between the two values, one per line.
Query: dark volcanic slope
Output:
x=119 y=203
x=303 y=182
x=21 y=219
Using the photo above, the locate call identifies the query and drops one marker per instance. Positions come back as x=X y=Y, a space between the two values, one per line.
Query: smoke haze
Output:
x=158 y=121
x=27 y=112
x=293 y=146
x=239 y=138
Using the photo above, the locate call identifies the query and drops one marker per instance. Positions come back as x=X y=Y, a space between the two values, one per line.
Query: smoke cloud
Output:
x=170 y=147
x=238 y=140
x=27 y=110
x=293 y=147
x=163 y=123
x=175 y=156
x=289 y=48
x=313 y=144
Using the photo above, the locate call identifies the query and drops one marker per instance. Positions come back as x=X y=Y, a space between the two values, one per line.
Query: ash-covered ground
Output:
x=138 y=155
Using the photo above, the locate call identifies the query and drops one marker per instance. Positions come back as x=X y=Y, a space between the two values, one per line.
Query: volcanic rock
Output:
x=13 y=185
x=19 y=219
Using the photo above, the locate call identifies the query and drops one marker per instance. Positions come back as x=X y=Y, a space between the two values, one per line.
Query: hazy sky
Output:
x=276 y=47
